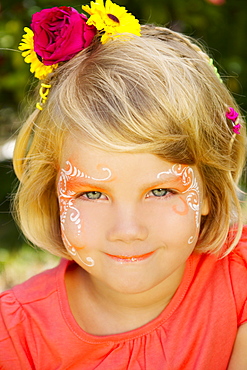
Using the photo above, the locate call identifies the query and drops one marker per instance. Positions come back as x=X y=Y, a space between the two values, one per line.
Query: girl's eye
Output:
x=92 y=195
x=159 y=193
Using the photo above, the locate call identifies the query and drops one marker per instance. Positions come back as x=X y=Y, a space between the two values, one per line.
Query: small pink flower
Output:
x=236 y=129
x=232 y=114
x=60 y=33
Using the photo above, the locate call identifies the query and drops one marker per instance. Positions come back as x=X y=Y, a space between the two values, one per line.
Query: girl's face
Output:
x=131 y=220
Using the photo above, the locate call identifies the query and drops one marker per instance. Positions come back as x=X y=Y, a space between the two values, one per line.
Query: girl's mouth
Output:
x=130 y=259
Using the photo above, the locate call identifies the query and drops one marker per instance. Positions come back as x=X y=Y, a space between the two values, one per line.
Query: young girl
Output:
x=128 y=170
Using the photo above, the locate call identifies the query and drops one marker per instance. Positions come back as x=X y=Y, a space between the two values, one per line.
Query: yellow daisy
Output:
x=37 y=67
x=111 y=18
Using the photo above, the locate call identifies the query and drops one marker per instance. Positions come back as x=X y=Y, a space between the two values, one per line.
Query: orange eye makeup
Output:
x=78 y=187
x=172 y=184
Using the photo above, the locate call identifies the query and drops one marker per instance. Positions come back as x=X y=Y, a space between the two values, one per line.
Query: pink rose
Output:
x=232 y=114
x=60 y=33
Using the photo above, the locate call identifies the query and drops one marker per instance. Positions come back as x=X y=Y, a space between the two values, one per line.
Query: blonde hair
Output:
x=156 y=93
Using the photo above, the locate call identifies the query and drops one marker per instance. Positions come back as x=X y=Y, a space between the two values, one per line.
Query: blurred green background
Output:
x=221 y=25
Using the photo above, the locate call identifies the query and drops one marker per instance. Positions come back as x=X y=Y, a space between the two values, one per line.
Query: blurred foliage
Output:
x=219 y=24
x=8 y=231
x=20 y=265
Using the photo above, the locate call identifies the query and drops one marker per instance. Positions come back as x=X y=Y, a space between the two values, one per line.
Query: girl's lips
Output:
x=130 y=258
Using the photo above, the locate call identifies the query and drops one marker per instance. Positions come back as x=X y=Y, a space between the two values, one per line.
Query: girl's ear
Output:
x=205 y=207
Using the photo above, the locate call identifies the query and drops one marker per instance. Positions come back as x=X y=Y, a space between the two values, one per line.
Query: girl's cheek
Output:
x=193 y=204
x=188 y=202
x=72 y=228
x=182 y=208
x=183 y=218
x=72 y=234
x=74 y=218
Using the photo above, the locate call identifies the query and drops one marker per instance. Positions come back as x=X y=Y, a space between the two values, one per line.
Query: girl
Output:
x=128 y=170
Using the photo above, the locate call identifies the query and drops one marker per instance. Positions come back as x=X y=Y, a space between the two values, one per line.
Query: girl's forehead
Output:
x=86 y=163
x=85 y=155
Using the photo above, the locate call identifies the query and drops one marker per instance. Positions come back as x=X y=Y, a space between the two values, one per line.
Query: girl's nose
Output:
x=127 y=226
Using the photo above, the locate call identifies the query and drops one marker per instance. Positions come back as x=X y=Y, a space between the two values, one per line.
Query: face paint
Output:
x=66 y=203
x=184 y=211
x=75 y=172
x=190 y=184
x=66 y=200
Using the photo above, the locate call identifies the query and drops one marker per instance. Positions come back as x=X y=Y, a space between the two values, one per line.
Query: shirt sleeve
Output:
x=13 y=353
x=238 y=274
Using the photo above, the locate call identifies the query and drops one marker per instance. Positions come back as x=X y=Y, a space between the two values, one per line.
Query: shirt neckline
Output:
x=130 y=335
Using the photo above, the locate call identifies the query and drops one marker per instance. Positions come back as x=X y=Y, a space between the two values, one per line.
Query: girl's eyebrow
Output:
x=75 y=184
x=171 y=181
x=167 y=181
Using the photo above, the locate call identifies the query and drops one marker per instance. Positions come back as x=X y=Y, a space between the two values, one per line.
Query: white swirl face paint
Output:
x=189 y=181
x=75 y=172
x=66 y=203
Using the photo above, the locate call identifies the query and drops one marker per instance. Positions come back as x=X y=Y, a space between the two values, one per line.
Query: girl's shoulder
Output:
x=25 y=317
x=37 y=287
x=236 y=263
x=239 y=253
x=17 y=303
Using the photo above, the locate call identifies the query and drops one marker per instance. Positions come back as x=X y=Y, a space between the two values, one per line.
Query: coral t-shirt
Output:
x=195 y=331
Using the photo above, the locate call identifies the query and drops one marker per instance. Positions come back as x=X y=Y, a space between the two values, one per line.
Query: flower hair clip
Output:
x=58 y=34
x=43 y=92
x=232 y=115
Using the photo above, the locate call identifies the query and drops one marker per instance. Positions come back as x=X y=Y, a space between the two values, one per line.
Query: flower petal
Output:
x=111 y=18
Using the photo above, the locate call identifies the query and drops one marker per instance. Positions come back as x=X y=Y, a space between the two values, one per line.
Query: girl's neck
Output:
x=99 y=310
